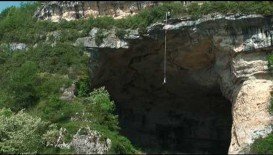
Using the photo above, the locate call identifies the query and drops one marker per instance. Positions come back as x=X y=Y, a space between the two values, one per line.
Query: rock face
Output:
x=69 y=93
x=14 y=46
x=71 y=10
x=109 y=41
x=90 y=142
x=18 y=46
x=218 y=84
x=85 y=141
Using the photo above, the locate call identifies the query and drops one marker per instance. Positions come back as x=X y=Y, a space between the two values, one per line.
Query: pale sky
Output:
x=6 y=4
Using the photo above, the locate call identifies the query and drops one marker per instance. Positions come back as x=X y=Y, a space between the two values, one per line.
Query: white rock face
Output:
x=90 y=143
x=110 y=39
x=68 y=10
x=251 y=119
x=18 y=46
x=68 y=93
x=85 y=141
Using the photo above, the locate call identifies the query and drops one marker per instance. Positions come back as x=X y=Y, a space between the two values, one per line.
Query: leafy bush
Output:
x=83 y=87
x=63 y=58
x=56 y=110
x=102 y=109
x=270 y=62
x=121 y=33
x=263 y=145
x=104 y=22
x=39 y=73
x=20 y=133
x=50 y=84
x=69 y=35
x=99 y=37
x=21 y=86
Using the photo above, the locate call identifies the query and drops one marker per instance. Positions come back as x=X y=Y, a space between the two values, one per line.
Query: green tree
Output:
x=20 y=133
x=102 y=109
x=22 y=86
x=83 y=87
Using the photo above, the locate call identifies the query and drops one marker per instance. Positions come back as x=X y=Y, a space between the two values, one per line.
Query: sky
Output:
x=6 y=4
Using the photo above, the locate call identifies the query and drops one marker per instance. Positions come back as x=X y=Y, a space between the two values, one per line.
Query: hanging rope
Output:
x=165 y=53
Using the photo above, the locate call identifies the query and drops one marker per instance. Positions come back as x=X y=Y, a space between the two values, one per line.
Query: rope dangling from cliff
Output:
x=165 y=53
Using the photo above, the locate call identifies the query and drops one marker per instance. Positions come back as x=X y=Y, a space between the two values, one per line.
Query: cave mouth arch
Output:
x=187 y=115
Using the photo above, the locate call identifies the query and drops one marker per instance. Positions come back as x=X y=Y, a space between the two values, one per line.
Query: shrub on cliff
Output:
x=56 y=110
x=270 y=62
x=263 y=145
x=21 y=87
x=96 y=111
x=83 y=87
x=20 y=133
x=102 y=108
x=63 y=58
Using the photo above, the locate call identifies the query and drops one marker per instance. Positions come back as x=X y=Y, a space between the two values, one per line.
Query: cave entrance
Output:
x=193 y=122
x=187 y=115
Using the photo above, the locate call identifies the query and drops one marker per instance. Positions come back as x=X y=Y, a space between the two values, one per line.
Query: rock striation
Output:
x=228 y=52
x=71 y=10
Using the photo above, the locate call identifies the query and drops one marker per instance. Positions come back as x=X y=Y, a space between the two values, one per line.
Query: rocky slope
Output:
x=207 y=58
x=71 y=10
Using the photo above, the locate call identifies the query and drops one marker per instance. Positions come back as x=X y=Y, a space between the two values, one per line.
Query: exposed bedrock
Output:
x=218 y=84
x=71 y=10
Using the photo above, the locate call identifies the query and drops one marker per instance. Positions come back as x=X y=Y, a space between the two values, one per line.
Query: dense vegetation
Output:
x=20 y=132
x=31 y=80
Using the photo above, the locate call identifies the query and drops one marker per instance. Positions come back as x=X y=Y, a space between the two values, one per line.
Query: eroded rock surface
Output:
x=207 y=59
x=71 y=10
x=90 y=142
x=68 y=94
x=14 y=46
x=85 y=141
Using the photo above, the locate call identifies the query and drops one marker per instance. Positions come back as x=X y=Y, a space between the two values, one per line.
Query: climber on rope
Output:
x=168 y=16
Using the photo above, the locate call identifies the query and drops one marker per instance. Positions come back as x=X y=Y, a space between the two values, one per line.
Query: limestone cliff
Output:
x=71 y=10
x=209 y=57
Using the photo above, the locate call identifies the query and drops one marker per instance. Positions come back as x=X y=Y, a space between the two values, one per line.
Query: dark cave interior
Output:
x=188 y=114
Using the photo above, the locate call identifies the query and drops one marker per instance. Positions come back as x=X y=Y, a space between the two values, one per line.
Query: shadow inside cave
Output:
x=188 y=114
